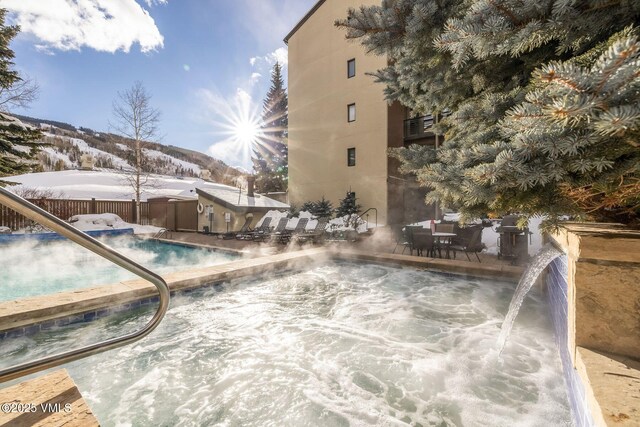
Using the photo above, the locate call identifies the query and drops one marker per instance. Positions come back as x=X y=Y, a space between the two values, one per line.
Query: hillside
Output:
x=67 y=144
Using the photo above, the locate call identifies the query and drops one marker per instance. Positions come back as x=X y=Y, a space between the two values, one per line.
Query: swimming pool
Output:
x=33 y=268
x=341 y=344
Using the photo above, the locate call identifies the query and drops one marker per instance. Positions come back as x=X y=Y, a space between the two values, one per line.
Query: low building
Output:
x=222 y=210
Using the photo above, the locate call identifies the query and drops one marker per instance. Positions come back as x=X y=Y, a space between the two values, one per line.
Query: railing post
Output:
x=93 y=206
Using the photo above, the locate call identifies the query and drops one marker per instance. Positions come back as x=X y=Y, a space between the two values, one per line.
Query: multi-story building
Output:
x=340 y=125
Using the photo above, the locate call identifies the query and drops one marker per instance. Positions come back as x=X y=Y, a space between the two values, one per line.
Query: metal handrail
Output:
x=43 y=217
x=365 y=212
x=160 y=233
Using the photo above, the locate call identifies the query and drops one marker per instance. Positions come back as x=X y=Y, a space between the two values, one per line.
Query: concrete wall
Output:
x=319 y=133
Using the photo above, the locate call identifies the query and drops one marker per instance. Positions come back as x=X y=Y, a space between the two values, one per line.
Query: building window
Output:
x=351 y=113
x=351 y=157
x=351 y=68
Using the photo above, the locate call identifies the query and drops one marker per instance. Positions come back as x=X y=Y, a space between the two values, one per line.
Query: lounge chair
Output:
x=245 y=230
x=286 y=235
x=264 y=228
x=474 y=245
x=282 y=225
x=317 y=233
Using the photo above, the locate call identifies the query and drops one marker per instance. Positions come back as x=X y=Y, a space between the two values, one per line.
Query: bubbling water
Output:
x=343 y=344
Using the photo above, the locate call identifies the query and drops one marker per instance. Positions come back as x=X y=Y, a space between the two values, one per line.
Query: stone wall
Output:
x=594 y=292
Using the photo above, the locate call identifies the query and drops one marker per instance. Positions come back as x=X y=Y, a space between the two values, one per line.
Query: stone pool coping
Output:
x=56 y=389
x=30 y=315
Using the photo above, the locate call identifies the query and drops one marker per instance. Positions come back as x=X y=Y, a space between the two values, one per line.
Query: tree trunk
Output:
x=138 y=172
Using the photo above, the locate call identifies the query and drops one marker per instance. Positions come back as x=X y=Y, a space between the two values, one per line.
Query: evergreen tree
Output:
x=270 y=153
x=348 y=206
x=323 y=208
x=544 y=94
x=19 y=144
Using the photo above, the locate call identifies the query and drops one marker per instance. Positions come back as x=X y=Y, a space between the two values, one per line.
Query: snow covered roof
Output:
x=233 y=198
x=110 y=185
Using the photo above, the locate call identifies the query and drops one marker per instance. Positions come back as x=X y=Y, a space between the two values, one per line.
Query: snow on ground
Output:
x=490 y=235
x=122 y=146
x=154 y=154
x=108 y=221
x=110 y=185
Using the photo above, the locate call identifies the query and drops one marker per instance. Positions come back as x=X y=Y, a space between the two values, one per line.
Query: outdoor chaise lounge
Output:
x=280 y=228
x=249 y=235
x=285 y=237
x=316 y=234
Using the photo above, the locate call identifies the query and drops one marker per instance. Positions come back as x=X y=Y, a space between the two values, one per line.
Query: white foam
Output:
x=340 y=344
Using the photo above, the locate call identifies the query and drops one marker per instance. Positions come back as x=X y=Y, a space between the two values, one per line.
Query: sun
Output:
x=246 y=131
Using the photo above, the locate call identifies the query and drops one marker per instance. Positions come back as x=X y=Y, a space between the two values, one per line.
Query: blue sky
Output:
x=202 y=60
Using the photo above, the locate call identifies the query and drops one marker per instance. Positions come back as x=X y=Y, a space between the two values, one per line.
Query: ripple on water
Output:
x=338 y=345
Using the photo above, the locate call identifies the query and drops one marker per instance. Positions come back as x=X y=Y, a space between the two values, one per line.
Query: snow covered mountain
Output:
x=66 y=145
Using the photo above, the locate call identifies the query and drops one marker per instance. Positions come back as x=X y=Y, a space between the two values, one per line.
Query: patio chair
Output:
x=423 y=241
x=473 y=246
x=445 y=228
x=286 y=235
x=264 y=228
x=245 y=230
x=401 y=239
x=282 y=225
x=317 y=233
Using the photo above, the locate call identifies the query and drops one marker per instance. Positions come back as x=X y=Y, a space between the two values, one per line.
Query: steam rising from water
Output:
x=339 y=345
x=31 y=268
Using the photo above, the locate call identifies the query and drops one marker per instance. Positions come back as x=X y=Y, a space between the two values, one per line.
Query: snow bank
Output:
x=108 y=221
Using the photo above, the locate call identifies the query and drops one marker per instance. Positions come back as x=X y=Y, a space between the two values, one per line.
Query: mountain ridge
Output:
x=66 y=144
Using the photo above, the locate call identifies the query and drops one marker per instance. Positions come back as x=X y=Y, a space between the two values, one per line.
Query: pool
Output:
x=340 y=344
x=32 y=268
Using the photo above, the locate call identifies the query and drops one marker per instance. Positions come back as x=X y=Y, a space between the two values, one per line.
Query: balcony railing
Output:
x=420 y=127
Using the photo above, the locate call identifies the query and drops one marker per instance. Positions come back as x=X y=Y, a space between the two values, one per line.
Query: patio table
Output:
x=445 y=240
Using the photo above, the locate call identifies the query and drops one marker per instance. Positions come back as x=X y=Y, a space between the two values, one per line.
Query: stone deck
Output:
x=51 y=400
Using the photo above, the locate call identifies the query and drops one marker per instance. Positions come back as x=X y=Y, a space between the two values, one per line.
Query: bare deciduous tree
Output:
x=19 y=95
x=136 y=119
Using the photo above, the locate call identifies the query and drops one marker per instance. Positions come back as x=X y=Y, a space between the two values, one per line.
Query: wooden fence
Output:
x=66 y=208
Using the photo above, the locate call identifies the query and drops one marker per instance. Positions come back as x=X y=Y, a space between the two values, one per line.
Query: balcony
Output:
x=418 y=128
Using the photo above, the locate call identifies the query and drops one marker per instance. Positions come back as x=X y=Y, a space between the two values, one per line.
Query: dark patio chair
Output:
x=265 y=227
x=423 y=242
x=282 y=225
x=474 y=245
x=286 y=235
x=317 y=233
x=408 y=231
x=445 y=228
x=245 y=231
x=401 y=238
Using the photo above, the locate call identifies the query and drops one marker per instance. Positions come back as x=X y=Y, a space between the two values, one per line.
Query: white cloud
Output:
x=103 y=25
x=280 y=55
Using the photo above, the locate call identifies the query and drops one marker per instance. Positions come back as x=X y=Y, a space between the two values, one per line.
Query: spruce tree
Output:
x=323 y=208
x=270 y=153
x=19 y=144
x=544 y=94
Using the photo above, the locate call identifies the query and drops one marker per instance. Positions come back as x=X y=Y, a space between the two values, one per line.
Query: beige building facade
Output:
x=340 y=125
